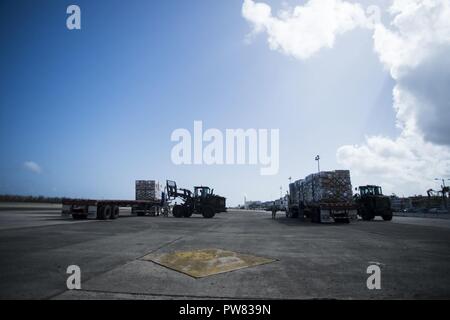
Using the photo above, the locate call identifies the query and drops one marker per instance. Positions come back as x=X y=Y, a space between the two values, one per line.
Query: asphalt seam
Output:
x=160 y=247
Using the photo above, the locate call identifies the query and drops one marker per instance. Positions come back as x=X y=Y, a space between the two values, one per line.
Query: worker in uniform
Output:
x=274 y=210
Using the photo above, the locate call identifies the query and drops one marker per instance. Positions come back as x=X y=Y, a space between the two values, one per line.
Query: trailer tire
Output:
x=115 y=212
x=104 y=212
x=387 y=217
x=99 y=213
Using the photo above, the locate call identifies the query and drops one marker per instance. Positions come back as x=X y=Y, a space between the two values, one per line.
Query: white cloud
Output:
x=32 y=166
x=304 y=30
x=415 y=48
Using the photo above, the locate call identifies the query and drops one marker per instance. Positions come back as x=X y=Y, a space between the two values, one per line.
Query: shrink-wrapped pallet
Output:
x=148 y=190
x=325 y=186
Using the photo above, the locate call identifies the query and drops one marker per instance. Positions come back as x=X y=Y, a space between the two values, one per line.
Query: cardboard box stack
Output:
x=148 y=190
x=326 y=186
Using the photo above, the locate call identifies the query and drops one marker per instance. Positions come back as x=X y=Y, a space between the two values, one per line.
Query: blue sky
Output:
x=95 y=107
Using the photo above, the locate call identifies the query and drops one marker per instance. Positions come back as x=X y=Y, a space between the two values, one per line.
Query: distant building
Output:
x=400 y=204
x=252 y=205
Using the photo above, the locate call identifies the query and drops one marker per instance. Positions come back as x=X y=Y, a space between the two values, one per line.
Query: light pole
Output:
x=318 y=163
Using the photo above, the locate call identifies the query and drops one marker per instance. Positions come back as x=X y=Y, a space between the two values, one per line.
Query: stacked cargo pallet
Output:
x=148 y=190
x=326 y=186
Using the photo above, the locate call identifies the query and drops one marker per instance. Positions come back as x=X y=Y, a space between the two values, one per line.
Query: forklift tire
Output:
x=115 y=212
x=187 y=212
x=292 y=213
x=177 y=211
x=208 y=212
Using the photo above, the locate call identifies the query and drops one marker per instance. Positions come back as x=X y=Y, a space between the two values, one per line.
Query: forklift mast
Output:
x=173 y=192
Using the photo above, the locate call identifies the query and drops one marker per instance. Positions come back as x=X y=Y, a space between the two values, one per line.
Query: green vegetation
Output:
x=37 y=199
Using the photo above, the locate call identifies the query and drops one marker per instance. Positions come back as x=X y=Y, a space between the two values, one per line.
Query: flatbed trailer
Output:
x=106 y=209
x=329 y=212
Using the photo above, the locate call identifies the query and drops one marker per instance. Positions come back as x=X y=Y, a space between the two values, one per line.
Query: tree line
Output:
x=19 y=198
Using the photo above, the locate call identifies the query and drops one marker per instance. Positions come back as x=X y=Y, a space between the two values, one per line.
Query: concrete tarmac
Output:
x=312 y=261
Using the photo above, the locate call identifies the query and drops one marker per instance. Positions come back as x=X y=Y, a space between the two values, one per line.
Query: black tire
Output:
x=387 y=217
x=187 y=212
x=104 y=212
x=100 y=213
x=367 y=217
x=208 y=212
x=292 y=213
x=177 y=211
x=316 y=215
x=115 y=212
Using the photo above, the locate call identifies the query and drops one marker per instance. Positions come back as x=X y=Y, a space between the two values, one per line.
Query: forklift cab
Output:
x=202 y=192
x=370 y=191
x=371 y=202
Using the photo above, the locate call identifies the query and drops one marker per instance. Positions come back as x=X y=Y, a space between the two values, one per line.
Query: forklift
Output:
x=371 y=203
x=202 y=201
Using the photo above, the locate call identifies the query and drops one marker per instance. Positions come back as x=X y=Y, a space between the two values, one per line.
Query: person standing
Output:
x=274 y=211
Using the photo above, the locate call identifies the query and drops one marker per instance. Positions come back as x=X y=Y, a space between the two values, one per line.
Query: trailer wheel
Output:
x=99 y=213
x=208 y=212
x=387 y=217
x=177 y=211
x=115 y=212
x=104 y=212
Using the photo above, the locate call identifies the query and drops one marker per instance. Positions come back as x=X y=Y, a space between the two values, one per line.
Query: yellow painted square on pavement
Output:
x=206 y=262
